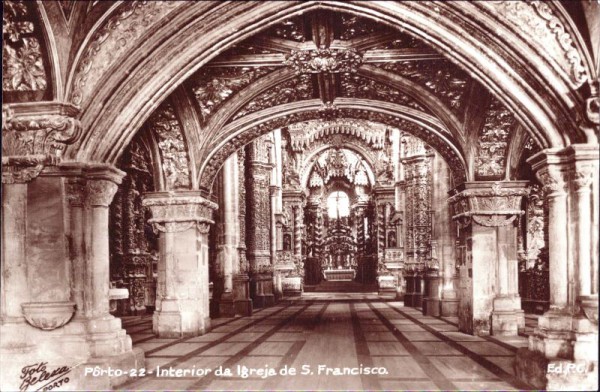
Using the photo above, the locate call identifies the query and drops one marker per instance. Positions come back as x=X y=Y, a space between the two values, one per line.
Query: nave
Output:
x=203 y=161
x=347 y=330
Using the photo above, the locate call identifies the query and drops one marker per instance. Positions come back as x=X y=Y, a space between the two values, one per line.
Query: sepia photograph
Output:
x=300 y=195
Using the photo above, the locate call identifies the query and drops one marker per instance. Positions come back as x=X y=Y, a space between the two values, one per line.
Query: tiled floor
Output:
x=356 y=332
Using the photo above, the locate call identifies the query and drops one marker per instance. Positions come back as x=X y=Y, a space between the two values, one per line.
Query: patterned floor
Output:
x=418 y=352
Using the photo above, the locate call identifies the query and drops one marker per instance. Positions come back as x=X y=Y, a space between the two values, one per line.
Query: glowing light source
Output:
x=338 y=205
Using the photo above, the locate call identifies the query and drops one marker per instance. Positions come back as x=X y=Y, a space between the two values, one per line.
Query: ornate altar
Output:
x=339 y=262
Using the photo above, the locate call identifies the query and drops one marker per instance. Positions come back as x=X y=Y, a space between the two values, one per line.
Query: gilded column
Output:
x=241 y=280
x=258 y=221
x=298 y=229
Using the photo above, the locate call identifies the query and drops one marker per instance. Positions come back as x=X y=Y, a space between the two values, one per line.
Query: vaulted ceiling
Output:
x=329 y=65
x=110 y=64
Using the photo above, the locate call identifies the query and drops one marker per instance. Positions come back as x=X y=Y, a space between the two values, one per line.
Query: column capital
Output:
x=294 y=197
x=583 y=176
x=102 y=182
x=179 y=211
x=274 y=189
x=75 y=191
x=488 y=203
x=584 y=163
x=35 y=136
x=552 y=167
x=554 y=179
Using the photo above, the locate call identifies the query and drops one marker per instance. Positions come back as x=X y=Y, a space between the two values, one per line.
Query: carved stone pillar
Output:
x=585 y=323
x=567 y=334
x=94 y=190
x=298 y=230
x=418 y=177
x=312 y=263
x=36 y=263
x=33 y=137
x=582 y=179
x=101 y=186
x=183 y=219
x=290 y=263
x=276 y=236
x=258 y=222
x=241 y=280
x=14 y=268
x=489 y=277
x=75 y=191
x=553 y=335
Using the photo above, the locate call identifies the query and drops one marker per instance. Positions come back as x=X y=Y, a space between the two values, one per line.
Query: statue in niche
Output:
x=384 y=165
x=290 y=165
x=287 y=242
x=391 y=239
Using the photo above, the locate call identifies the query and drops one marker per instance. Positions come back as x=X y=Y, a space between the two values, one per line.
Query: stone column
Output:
x=555 y=189
x=582 y=181
x=183 y=219
x=90 y=189
x=101 y=187
x=490 y=282
x=14 y=270
x=443 y=234
x=227 y=251
x=584 y=173
x=75 y=194
x=567 y=334
x=553 y=335
x=33 y=138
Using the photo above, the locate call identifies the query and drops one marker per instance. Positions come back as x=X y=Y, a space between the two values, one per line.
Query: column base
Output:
x=585 y=344
x=506 y=323
x=412 y=299
x=226 y=305
x=241 y=295
x=553 y=336
x=449 y=307
x=540 y=372
x=81 y=344
x=389 y=292
x=85 y=378
x=243 y=307
x=262 y=290
x=507 y=316
x=432 y=307
x=171 y=322
x=264 y=300
x=292 y=286
x=417 y=300
x=15 y=338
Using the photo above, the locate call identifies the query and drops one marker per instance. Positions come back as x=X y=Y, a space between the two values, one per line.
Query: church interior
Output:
x=408 y=190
